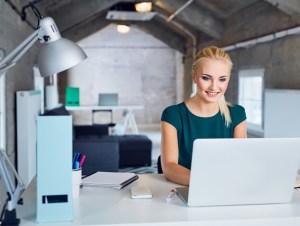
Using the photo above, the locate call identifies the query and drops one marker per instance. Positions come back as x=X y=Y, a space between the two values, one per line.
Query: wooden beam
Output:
x=197 y=17
x=289 y=7
x=155 y=28
x=166 y=35
x=77 y=11
x=86 y=27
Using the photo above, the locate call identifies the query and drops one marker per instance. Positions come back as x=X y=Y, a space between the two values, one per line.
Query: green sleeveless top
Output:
x=190 y=127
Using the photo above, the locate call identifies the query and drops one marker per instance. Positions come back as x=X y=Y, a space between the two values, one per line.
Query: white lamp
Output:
x=143 y=7
x=57 y=54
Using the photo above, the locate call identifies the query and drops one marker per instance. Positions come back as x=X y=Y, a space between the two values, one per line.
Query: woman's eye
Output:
x=222 y=79
x=205 y=78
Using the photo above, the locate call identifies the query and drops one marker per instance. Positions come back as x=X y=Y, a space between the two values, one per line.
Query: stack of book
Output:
x=109 y=179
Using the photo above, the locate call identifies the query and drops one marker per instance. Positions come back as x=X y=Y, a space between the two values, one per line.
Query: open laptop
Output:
x=108 y=99
x=242 y=171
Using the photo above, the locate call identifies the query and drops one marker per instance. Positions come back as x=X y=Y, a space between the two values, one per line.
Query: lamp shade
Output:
x=60 y=55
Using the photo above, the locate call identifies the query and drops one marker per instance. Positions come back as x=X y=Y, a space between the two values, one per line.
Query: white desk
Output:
x=100 y=206
x=129 y=120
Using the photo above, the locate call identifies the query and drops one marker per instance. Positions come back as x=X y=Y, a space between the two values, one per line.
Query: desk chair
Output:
x=110 y=124
x=159 y=169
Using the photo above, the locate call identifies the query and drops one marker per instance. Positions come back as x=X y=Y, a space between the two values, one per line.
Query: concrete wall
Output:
x=280 y=59
x=140 y=68
x=12 y=32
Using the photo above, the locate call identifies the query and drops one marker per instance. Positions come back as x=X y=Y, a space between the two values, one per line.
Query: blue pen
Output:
x=76 y=159
x=74 y=156
x=76 y=165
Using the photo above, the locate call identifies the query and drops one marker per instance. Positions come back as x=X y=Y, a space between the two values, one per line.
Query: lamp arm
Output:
x=14 y=192
x=11 y=59
x=46 y=33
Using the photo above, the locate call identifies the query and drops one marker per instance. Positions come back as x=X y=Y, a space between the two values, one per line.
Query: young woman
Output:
x=205 y=115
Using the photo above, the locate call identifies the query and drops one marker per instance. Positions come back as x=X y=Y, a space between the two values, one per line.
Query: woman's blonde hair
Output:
x=215 y=53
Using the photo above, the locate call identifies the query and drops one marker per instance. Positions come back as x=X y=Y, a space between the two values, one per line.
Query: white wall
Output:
x=140 y=68
x=282 y=111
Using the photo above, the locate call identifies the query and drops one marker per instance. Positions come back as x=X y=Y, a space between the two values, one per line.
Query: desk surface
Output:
x=97 y=107
x=103 y=206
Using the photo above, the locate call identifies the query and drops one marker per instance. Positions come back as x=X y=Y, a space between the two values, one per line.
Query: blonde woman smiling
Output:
x=205 y=115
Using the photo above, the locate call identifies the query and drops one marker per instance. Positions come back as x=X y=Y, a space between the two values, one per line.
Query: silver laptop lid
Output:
x=243 y=171
x=108 y=99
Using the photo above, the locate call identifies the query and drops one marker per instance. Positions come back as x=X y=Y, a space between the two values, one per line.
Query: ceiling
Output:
x=179 y=23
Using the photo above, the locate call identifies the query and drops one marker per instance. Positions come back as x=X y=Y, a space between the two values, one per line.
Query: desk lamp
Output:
x=57 y=54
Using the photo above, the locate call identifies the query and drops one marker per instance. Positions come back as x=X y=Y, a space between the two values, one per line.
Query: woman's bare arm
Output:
x=240 y=131
x=169 y=156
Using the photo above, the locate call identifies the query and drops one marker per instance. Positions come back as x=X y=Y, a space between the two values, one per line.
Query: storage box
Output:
x=72 y=96
x=54 y=169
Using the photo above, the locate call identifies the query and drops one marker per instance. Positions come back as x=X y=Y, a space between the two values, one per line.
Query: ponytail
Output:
x=224 y=109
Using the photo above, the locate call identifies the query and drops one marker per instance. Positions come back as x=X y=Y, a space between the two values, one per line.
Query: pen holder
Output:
x=76 y=182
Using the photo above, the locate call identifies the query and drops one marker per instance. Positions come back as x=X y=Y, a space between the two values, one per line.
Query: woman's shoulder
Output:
x=237 y=112
x=174 y=108
x=172 y=113
x=236 y=108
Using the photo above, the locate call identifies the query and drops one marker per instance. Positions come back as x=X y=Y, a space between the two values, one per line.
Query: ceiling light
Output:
x=143 y=7
x=123 y=29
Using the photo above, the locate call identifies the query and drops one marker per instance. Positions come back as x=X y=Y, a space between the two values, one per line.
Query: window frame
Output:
x=2 y=113
x=248 y=73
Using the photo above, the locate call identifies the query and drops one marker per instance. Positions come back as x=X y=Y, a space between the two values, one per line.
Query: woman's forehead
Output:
x=214 y=65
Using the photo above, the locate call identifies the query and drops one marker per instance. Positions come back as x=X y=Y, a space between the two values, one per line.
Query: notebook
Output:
x=116 y=180
x=242 y=171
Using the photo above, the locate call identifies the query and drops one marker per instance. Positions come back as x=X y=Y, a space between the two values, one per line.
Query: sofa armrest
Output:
x=101 y=155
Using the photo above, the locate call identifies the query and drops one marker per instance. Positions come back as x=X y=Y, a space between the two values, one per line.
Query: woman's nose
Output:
x=213 y=85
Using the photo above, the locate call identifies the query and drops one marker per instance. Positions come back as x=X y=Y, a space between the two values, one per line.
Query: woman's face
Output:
x=211 y=78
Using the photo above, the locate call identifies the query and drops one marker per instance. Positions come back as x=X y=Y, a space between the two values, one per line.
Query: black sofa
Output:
x=104 y=152
x=134 y=150
x=101 y=155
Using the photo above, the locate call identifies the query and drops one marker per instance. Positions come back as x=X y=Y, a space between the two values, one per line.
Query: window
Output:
x=2 y=112
x=250 y=96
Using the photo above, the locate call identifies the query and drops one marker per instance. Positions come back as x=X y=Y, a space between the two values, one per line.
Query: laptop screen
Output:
x=243 y=171
x=108 y=99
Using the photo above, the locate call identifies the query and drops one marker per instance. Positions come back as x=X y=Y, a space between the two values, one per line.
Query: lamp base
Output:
x=10 y=218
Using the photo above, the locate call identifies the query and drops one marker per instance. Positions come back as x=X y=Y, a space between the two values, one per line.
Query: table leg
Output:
x=130 y=122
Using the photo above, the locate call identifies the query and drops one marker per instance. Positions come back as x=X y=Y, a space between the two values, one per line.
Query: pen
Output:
x=76 y=159
x=81 y=160
x=76 y=165
x=171 y=195
x=74 y=156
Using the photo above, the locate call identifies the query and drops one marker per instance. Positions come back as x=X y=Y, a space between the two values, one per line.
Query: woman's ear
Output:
x=194 y=78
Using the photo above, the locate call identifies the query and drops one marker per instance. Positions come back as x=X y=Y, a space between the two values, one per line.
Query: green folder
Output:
x=72 y=96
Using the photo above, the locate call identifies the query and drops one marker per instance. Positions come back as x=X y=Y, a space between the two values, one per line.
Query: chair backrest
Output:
x=106 y=117
x=159 y=169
